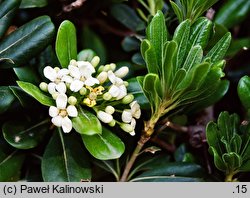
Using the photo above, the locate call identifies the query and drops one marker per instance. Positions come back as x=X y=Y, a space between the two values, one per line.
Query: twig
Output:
x=74 y=5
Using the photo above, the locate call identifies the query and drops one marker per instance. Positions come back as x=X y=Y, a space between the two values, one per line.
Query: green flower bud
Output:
x=44 y=86
x=106 y=68
x=128 y=99
x=126 y=83
x=112 y=66
x=109 y=109
x=83 y=91
x=73 y=62
x=100 y=69
x=95 y=61
x=107 y=96
x=54 y=95
x=112 y=123
x=57 y=69
x=72 y=100
x=102 y=77
x=127 y=127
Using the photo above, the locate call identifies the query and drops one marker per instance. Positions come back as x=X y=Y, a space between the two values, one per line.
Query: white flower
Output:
x=56 y=75
x=61 y=112
x=104 y=117
x=117 y=90
x=128 y=115
x=122 y=72
x=82 y=75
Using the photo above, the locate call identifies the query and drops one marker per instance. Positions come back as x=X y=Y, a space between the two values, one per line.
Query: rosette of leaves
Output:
x=229 y=143
x=182 y=73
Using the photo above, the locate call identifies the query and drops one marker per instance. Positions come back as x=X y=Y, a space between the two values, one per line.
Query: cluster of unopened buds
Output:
x=103 y=90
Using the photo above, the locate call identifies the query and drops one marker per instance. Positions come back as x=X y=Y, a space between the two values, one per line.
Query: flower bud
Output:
x=107 y=96
x=95 y=61
x=55 y=95
x=125 y=83
x=57 y=69
x=104 y=117
x=112 y=66
x=127 y=128
x=112 y=123
x=100 y=69
x=102 y=77
x=106 y=68
x=83 y=91
x=44 y=86
x=72 y=100
x=128 y=99
x=73 y=62
x=122 y=72
x=109 y=109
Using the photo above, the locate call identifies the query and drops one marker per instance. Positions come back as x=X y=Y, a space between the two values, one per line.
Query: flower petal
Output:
x=76 y=85
x=85 y=67
x=62 y=72
x=122 y=92
x=50 y=73
x=104 y=117
x=57 y=121
x=126 y=116
x=91 y=81
x=74 y=72
x=112 y=77
x=53 y=111
x=114 y=91
x=66 y=125
x=72 y=111
x=51 y=88
x=61 y=87
x=67 y=79
x=61 y=101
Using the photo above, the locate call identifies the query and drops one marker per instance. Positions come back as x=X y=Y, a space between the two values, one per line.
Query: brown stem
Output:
x=136 y=152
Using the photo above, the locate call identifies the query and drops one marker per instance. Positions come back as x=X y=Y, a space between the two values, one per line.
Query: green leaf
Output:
x=157 y=36
x=6 y=98
x=237 y=46
x=86 y=123
x=23 y=135
x=66 y=44
x=232 y=160
x=130 y=43
x=27 y=74
x=244 y=91
x=10 y=166
x=33 y=3
x=127 y=16
x=232 y=13
x=91 y=40
x=36 y=35
x=220 y=48
x=64 y=160
x=8 y=9
x=36 y=93
x=177 y=11
x=181 y=36
x=104 y=146
x=135 y=89
x=194 y=58
x=172 y=172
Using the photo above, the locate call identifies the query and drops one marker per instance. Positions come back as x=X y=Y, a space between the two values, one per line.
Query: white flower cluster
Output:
x=102 y=90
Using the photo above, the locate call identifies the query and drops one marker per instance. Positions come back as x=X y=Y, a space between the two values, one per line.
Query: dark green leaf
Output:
x=232 y=160
x=244 y=91
x=7 y=12
x=27 y=41
x=220 y=48
x=27 y=74
x=65 y=160
x=232 y=13
x=138 y=59
x=135 y=89
x=173 y=172
x=66 y=44
x=127 y=16
x=86 y=123
x=194 y=58
x=23 y=135
x=92 y=41
x=238 y=45
x=10 y=166
x=105 y=146
x=6 y=98
x=130 y=44
x=36 y=93
x=33 y=3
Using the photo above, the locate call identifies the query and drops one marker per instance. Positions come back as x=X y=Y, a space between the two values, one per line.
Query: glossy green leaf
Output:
x=232 y=13
x=6 y=98
x=86 y=55
x=10 y=166
x=8 y=9
x=194 y=58
x=91 y=40
x=36 y=35
x=220 y=48
x=138 y=59
x=232 y=160
x=238 y=45
x=177 y=11
x=127 y=16
x=244 y=91
x=172 y=172
x=23 y=135
x=33 y=3
x=181 y=36
x=135 y=89
x=86 y=123
x=104 y=146
x=64 y=160
x=130 y=43
x=27 y=74
x=36 y=93
x=66 y=44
